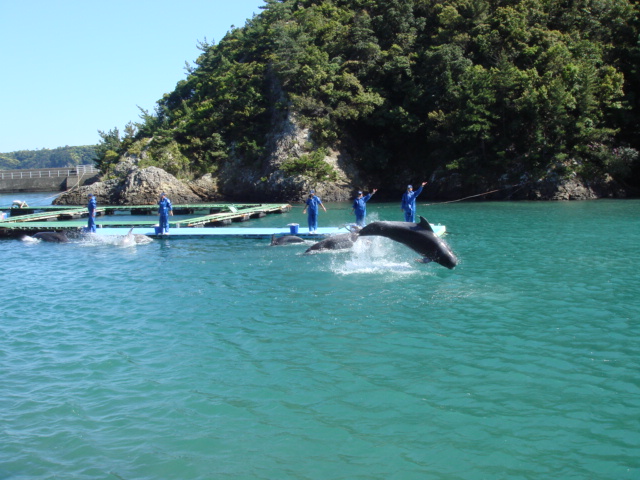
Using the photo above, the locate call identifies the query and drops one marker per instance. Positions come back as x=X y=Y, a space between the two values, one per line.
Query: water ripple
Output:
x=232 y=359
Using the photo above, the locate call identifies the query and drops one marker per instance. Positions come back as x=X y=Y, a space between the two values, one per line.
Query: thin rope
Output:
x=473 y=196
x=66 y=191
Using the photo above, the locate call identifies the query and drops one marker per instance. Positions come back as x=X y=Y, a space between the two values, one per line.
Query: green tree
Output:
x=482 y=87
x=108 y=150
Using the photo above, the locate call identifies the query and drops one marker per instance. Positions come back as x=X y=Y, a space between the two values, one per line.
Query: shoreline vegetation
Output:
x=536 y=100
x=137 y=186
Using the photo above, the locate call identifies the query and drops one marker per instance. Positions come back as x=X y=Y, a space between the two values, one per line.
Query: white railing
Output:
x=86 y=169
x=78 y=170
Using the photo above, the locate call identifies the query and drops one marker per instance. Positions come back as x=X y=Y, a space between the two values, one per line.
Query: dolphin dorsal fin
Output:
x=425 y=224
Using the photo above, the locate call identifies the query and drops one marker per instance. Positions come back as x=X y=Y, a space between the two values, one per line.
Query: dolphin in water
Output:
x=55 y=237
x=133 y=239
x=142 y=239
x=127 y=240
x=285 y=240
x=417 y=236
x=335 y=242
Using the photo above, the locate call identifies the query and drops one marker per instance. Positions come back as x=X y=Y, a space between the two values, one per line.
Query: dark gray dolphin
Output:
x=285 y=240
x=335 y=242
x=55 y=237
x=417 y=236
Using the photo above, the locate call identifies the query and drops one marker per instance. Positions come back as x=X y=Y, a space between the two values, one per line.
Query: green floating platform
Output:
x=20 y=221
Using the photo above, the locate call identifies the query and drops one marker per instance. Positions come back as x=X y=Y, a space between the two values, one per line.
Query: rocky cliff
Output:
x=131 y=185
x=143 y=187
x=290 y=141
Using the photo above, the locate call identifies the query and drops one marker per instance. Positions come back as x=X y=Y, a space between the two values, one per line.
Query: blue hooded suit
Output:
x=164 y=207
x=91 y=207
x=360 y=209
x=409 y=204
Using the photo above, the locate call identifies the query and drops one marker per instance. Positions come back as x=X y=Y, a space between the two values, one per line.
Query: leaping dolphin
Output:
x=420 y=237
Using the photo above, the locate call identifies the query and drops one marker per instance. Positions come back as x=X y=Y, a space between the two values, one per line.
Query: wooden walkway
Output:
x=33 y=219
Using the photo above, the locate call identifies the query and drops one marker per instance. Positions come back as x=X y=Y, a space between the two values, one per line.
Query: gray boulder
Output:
x=141 y=187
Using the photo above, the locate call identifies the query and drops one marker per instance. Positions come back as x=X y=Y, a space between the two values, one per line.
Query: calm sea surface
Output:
x=231 y=359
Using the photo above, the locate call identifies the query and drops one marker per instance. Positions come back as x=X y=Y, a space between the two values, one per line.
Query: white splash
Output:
x=128 y=240
x=28 y=239
x=374 y=255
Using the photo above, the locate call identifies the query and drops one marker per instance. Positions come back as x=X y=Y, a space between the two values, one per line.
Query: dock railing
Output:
x=78 y=170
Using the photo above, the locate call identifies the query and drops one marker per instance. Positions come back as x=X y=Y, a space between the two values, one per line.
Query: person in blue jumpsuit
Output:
x=312 y=206
x=91 y=207
x=409 y=203
x=164 y=210
x=360 y=207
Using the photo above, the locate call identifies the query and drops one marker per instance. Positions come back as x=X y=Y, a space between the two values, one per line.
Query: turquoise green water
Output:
x=224 y=358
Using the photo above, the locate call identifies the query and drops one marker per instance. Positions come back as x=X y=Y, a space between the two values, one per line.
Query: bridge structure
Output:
x=45 y=179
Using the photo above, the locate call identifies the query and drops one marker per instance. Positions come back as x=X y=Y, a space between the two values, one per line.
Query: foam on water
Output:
x=30 y=240
x=116 y=240
x=373 y=255
x=98 y=240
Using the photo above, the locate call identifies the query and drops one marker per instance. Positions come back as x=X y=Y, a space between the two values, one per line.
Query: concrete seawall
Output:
x=45 y=179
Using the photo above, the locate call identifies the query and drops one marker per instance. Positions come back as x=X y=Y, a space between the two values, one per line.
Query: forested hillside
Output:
x=48 y=158
x=490 y=90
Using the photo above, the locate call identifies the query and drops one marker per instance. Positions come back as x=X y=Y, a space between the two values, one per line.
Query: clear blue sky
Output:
x=69 y=68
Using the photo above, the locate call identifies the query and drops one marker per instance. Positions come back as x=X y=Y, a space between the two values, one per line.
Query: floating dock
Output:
x=25 y=220
x=243 y=232
x=195 y=221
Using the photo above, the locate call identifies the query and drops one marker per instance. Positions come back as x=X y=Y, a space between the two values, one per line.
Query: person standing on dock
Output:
x=312 y=206
x=91 y=207
x=164 y=210
x=360 y=207
x=409 y=202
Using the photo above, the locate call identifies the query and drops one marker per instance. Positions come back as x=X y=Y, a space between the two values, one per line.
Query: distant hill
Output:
x=48 y=158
